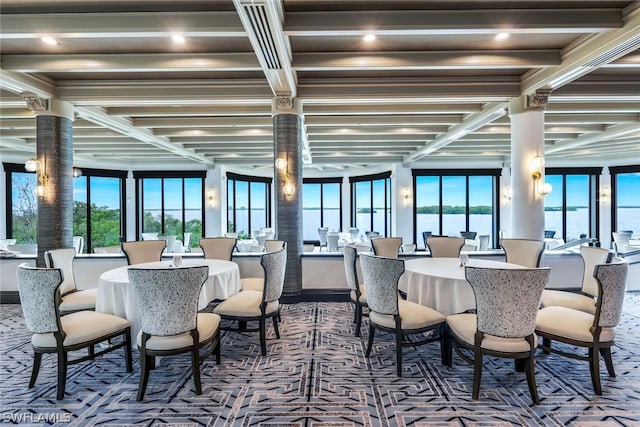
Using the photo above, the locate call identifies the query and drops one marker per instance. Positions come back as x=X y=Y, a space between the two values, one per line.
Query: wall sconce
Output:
x=211 y=199
x=406 y=195
x=605 y=193
x=542 y=188
x=37 y=166
x=507 y=192
x=282 y=165
x=77 y=172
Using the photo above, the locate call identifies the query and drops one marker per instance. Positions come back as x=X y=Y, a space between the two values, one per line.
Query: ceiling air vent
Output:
x=262 y=31
x=613 y=54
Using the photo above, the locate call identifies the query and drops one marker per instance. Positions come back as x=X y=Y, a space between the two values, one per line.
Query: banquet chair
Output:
x=596 y=332
x=169 y=318
x=252 y=305
x=78 y=244
x=585 y=301
x=484 y=242
x=523 y=252
x=52 y=333
x=549 y=234
x=354 y=232
x=425 y=235
x=257 y=283
x=386 y=246
x=445 y=247
x=371 y=234
x=333 y=237
x=471 y=235
x=322 y=236
x=273 y=245
x=218 y=247
x=503 y=326
x=389 y=313
x=143 y=251
x=357 y=292
x=186 y=242
x=71 y=299
x=621 y=242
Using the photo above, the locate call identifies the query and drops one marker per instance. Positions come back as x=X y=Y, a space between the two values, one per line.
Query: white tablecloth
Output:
x=439 y=283
x=117 y=296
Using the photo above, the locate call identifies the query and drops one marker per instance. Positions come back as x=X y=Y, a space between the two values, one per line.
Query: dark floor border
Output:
x=317 y=295
x=9 y=297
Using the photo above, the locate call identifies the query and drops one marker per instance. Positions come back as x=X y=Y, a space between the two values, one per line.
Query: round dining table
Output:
x=440 y=283
x=117 y=296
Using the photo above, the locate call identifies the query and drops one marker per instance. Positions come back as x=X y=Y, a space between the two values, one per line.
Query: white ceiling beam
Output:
x=189 y=111
x=21 y=84
x=386 y=120
x=204 y=122
x=311 y=108
x=611 y=133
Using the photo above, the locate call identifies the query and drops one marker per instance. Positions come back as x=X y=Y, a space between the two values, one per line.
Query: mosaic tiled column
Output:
x=287 y=131
x=54 y=152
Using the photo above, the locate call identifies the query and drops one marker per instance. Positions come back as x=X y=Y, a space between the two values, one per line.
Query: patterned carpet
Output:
x=317 y=375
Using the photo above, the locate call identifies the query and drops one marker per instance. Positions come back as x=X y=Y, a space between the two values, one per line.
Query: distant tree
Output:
x=25 y=209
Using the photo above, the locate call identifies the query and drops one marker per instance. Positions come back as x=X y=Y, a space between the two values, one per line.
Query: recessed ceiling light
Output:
x=49 y=40
x=369 y=38
x=178 y=38
x=502 y=36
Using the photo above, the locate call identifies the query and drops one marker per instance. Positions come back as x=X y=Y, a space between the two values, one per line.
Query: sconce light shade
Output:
x=288 y=189
x=545 y=189
x=211 y=198
x=281 y=163
x=604 y=194
x=31 y=165
x=77 y=172
x=542 y=188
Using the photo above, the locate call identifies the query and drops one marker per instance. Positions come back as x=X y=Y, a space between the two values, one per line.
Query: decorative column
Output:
x=287 y=154
x=527 y=177
x=54 y=168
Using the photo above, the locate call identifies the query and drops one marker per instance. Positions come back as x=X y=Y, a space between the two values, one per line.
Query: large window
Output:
x=321 y=206
x=98 y=200
x=371 y=203
x=248 y=204
x=22 y=205
x=171 y=203
x=569 y=210
x=450 y=201
x=626 y=206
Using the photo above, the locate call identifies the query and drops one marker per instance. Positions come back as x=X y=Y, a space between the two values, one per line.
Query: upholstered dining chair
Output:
x=169 y=318
x=386 y=246
x=72 y=299
x=527 y=253
x=503 y=326
x=218 y=247
x=257 y=283
x=389 y=313
x=596 y=332
x=357 y=292
x=445 y=247
x=253 y=305
x=469 y=234
x=333 y=237
x=143 y=251
x=52 y=333
x=273 y=245
x=322 y=236
x=585 y=301
x=621 y=241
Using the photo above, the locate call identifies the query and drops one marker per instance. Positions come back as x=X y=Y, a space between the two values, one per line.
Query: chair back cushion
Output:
x=168 y=298
x=322 y=235
x=274 y=265
x=591 y=256
x=507 y=301
x=218 y=247
x=63 y=259
x=523 y=252
x=350 y=271
x=273 y=245
x=445 y=247
x=143 y=251
x=612 y=279
x=37 y=288
x=381 y=275
x=386 y=246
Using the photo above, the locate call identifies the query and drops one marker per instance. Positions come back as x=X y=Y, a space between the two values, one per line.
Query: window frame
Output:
x=322 y=181
x=614 y=171
x=235 y=177
x=388 y=200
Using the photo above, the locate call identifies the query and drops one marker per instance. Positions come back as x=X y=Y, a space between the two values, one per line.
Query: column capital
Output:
x=48 y=107
x=35 y=103
x=286 y=105
x=532 y=102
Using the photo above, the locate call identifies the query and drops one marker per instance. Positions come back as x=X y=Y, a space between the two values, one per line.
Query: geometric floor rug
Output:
x=316 y=374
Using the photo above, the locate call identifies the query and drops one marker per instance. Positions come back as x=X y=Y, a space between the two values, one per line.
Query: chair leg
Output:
x=275 y=326
x=358 y=318
x=606 y=355
x=546 y=343
x=145 y=362
x=195 y=368
x=263 y=337
x=37 y=359
x=594 y=365
x=62 y=374
x=529 y=366
x=399 y=353
x=477 y=373
x=92 y=352
x=442 y=331
x=372 y=331
x=127 y=351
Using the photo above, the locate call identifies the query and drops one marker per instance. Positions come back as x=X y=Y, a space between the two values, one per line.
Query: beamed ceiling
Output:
x=433 y=88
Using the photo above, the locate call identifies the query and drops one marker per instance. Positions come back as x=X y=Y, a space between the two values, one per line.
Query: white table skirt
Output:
x=440 y=283
x=116 y=295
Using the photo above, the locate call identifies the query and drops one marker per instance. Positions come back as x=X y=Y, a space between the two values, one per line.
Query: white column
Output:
x=402 y=203
x=506 y=194
x=130 y=209
x=605 y=209
x=527 y=142
x=215 y=193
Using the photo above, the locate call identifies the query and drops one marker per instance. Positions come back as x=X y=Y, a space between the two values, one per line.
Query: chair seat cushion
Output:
x=569 y=323
x=363 y=295
x=80 y=327
x=79 y=300
x=568 y=299
x=208 y=325
x=464 y=325
x=245 y=304
x=412 y=315
x=252 y=284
